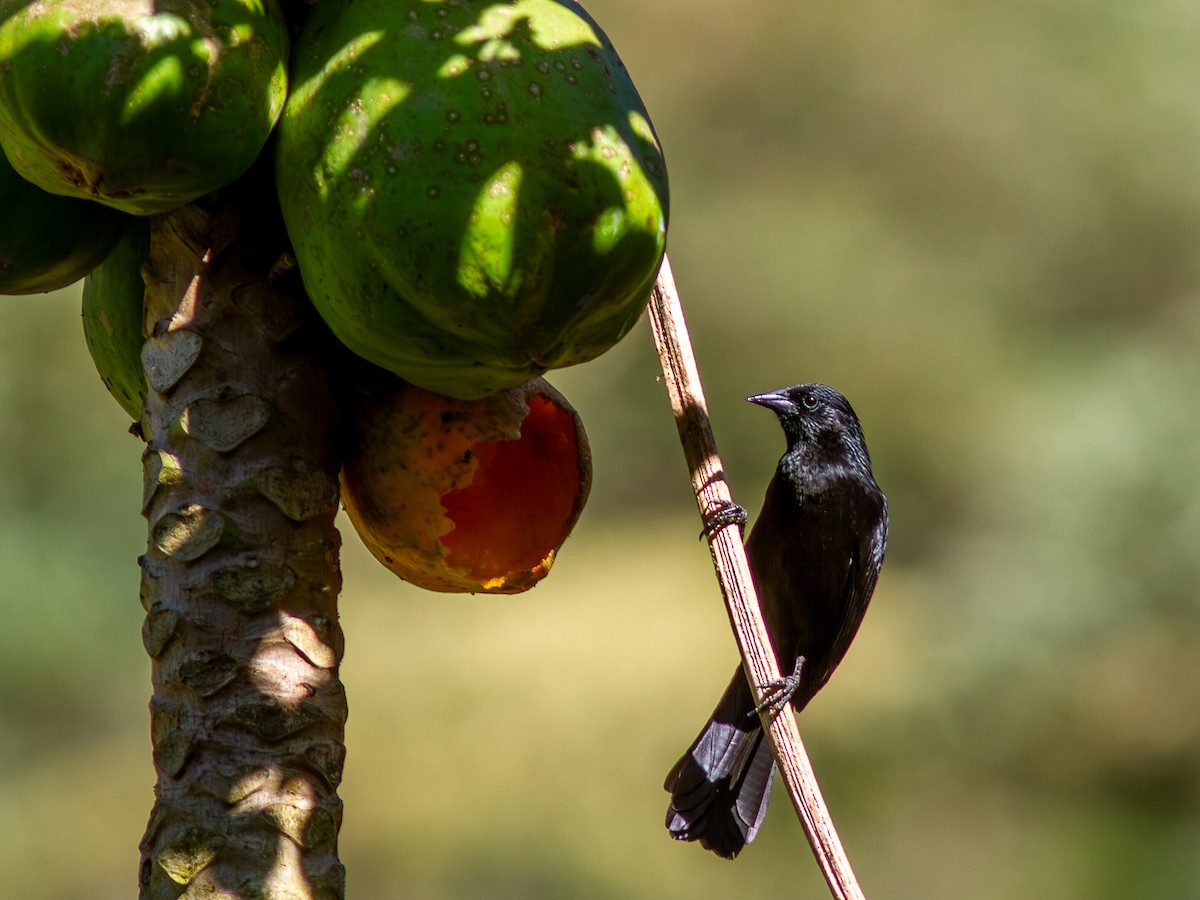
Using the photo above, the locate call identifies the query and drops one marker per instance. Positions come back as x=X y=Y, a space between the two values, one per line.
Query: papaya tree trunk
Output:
x=240 y=577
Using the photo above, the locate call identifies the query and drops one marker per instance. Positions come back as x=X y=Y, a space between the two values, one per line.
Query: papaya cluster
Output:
x=473 y=191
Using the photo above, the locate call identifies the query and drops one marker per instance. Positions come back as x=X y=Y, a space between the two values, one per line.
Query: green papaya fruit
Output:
x=112 y=319
x=48 y=242
x=473 y=188
x=142 y=105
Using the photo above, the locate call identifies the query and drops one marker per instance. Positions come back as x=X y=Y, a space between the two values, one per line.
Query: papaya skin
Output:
x=112 y=319
x=464 y=495
x=473 y=189
x=142 y=105
x=49 y=242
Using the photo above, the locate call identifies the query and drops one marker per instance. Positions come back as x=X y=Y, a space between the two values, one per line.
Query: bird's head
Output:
x=817 y=418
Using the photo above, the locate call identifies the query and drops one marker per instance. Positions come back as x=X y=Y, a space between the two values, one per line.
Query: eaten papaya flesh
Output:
x=112 y=319
x=48 y=242
x=139 y=104
x=474 y=190
x=464 y=495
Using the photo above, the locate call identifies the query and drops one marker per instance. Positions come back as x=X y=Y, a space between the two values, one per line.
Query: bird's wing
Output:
x=862 y=571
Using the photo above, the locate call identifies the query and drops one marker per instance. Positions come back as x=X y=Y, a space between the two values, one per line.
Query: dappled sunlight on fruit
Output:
x=474 y=192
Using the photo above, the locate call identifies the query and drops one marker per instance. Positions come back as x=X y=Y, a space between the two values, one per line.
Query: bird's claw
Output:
x=728 y=513
x=779 y=692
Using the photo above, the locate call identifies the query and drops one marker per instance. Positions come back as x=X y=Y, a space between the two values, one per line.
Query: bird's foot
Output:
x=728 y=513
x=780 y=691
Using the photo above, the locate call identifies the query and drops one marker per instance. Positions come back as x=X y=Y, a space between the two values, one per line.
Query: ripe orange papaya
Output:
x=464 y=495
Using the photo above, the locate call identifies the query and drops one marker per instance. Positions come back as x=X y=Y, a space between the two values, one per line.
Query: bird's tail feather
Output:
x=720 y=787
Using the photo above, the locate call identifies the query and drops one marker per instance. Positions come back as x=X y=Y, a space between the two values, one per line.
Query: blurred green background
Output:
x=979 y=221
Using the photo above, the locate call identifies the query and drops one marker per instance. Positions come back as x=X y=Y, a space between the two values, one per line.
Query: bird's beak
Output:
x=775 y=400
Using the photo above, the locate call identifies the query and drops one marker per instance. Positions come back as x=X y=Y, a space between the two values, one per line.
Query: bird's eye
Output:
x=809 y=402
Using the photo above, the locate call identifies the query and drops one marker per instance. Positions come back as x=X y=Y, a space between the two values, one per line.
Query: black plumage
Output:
x=815 y=552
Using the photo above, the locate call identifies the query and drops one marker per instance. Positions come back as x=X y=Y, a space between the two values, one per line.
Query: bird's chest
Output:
x=800 y=551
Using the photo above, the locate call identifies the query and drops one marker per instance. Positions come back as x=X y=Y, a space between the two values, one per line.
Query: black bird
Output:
x=815 y=553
